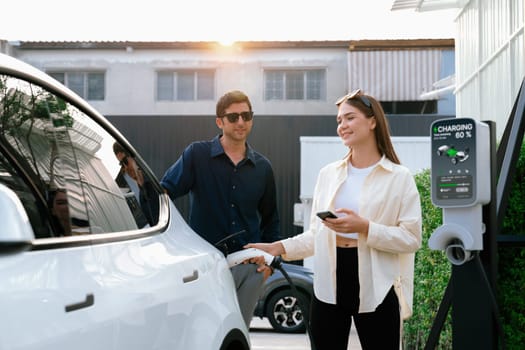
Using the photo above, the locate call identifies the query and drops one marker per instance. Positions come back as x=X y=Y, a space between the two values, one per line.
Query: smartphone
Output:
x=326 y=214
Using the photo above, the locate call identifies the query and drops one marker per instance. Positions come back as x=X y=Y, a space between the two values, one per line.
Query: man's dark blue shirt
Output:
x=226 y=198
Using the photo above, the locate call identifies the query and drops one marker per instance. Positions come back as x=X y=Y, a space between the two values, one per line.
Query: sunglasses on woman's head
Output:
x=356 y=94
x=234 y=117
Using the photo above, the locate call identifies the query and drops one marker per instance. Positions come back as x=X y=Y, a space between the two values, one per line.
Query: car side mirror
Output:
x=16 y=233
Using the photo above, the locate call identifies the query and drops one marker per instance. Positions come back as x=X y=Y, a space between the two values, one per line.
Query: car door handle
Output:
x=192 y=277
x=90 y=300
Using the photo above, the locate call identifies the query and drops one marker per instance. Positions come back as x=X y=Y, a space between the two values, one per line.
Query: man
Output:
x=232 y=193
x=130 y=176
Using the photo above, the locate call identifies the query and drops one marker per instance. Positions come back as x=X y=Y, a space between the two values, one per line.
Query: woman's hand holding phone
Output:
x=326 y=214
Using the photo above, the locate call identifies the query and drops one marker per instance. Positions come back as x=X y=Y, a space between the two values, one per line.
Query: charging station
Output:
x=460 y=177
x=462 y=163
x=476 y=323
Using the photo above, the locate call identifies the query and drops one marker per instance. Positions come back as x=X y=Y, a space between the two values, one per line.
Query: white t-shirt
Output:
x=348 y=194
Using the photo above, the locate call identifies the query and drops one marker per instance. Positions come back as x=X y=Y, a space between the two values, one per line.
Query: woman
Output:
x=364 y=258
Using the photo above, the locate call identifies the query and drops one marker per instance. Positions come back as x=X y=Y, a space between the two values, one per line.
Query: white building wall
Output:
x=490 y=62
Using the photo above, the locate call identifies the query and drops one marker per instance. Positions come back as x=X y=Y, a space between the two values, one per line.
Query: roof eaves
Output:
x=400 y=44
x=162 y=45
x=427 y=5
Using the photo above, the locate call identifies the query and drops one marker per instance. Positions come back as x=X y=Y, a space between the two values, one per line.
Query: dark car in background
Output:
x=280 y=304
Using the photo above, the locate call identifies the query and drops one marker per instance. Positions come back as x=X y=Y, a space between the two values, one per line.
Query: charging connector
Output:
x=242 y=255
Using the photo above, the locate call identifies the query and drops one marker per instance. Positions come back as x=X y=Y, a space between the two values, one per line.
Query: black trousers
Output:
x=330 y=324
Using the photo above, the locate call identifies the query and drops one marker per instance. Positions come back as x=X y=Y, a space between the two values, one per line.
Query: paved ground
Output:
x=263 y=337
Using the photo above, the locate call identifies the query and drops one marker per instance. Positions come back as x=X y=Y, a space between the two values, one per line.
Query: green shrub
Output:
x=431 y=275
x=511 y=264
x=432 y=271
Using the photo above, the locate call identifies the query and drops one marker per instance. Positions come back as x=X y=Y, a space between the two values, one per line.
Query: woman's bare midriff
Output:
x=343 y=242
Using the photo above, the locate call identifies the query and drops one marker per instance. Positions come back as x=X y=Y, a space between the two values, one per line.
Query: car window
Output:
x=35 y=207
x=62 y=165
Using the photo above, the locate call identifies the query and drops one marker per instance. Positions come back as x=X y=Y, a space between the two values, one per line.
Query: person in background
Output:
x=232 y=193
x=130 y=176
x=364 y=257
x=63 y=223
x=59 y=207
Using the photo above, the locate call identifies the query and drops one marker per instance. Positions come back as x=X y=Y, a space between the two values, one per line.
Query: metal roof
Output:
x=400 y=44
x=352 y=45
x=184 y=45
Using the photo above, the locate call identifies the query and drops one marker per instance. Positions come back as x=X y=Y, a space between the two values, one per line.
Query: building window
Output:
x=410 y=107
x=89 y=85
x=295 y=84
x=185 y=85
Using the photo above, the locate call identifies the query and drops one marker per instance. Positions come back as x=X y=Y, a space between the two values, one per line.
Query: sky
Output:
x=218 y=20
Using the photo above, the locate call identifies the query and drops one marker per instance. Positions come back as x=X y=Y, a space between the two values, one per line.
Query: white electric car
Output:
x=88 y=261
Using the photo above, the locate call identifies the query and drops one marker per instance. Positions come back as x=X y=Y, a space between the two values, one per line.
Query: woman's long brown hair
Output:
x=382 y=129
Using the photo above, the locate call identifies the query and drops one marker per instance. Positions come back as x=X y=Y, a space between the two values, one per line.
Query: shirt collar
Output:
x=384 y=162
x=217 y=149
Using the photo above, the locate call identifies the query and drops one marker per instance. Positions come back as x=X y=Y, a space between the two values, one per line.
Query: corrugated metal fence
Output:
x=161 y=139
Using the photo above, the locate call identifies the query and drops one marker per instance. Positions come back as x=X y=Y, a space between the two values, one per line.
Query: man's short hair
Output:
x=229 y=98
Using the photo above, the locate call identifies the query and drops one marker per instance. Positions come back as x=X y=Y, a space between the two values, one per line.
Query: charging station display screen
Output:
x=453 y=146
x=454 y=187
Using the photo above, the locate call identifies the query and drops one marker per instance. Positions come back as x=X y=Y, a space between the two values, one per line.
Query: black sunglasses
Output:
x=234 y=117
x=124 y=161
x=357 y=94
